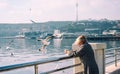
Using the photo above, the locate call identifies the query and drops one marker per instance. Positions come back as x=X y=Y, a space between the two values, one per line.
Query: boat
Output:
x=57 y=34
x=19 y=36
x=43 y=35
x=36 y=34
x=112 y=31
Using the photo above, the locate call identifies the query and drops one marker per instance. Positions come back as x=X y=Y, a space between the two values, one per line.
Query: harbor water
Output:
x=13 y=51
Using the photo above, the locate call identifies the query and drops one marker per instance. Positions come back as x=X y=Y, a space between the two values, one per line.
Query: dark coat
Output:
x=86 y=54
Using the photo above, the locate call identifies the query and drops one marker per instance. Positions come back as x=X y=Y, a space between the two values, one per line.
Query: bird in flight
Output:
x=45 y=42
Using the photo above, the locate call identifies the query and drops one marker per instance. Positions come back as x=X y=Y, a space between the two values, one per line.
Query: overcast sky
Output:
x=21 y=11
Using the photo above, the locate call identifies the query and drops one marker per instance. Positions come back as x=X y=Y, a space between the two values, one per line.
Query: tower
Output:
x=76 y=11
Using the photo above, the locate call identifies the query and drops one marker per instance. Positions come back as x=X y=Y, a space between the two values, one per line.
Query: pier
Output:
x=92 y=37
x=110 y=38
x=102 y=55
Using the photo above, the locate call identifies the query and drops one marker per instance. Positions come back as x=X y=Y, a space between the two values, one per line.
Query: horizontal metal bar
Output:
x=113 y=54
x=52 y=71
x=109 y=53
x=43 y=61
x=110 y=56
x=111 y=49
x=118 y=59
x=110 y=62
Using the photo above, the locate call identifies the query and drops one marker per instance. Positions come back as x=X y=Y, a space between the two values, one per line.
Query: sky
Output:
x=22 y=11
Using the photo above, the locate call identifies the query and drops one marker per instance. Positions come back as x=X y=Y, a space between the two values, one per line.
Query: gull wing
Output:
x=39 y=39
x=48 y=38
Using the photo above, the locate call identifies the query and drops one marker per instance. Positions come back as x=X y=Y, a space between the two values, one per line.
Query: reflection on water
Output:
x=21 y=43
x=32 y=46
x=57 y=43
x=112 y=44
x=29 y=45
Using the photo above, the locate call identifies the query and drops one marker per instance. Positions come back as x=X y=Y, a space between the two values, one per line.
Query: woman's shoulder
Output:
x=87 y=45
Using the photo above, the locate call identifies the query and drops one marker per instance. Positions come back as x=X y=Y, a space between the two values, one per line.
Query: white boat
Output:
x=20 y=36
x=57 y=34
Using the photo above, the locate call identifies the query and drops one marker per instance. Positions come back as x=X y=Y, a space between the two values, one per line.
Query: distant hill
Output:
x=64 y=26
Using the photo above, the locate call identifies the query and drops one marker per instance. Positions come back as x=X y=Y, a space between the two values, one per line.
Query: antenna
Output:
x=76 y=11
x=30 y=12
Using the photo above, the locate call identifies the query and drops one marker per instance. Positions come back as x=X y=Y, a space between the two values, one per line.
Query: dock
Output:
x=111 y=38
x=112 y=69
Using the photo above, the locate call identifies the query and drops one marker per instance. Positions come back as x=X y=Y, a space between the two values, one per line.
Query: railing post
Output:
x=115 y=54
x=36 y=69
x=99 y=55
x=78 y=69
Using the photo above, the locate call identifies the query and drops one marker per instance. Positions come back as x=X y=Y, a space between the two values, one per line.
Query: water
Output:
x=13 y=51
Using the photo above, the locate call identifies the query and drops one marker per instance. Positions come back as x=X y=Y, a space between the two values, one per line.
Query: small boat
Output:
x=36 y=35
x=57 y=34
x=20 y=36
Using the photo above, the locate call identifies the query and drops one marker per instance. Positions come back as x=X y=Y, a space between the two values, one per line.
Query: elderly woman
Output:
x=86 y=55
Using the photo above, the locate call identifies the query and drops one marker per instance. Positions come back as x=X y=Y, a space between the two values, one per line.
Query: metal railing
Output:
x=36 y=63
x=114 y=54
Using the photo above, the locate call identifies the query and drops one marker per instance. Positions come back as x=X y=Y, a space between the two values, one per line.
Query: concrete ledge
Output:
x=99 y=55
x=98 y=45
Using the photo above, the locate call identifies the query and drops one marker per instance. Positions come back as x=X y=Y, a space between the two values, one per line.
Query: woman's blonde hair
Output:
x=80 y=39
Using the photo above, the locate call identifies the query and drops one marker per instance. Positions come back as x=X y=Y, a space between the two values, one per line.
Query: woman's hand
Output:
x=66 y=51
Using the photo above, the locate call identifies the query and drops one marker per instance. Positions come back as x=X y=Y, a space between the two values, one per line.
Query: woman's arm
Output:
x=80 y=52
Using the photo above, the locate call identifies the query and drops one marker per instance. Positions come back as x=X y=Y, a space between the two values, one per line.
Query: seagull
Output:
x=45 y=42
x=9 y=48
x=9 y=44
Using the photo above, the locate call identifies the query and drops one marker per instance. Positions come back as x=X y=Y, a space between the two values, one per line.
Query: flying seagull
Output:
x=45 y=42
